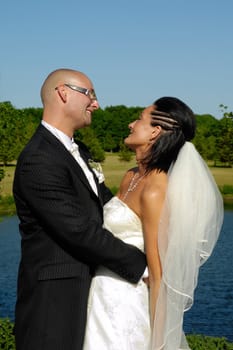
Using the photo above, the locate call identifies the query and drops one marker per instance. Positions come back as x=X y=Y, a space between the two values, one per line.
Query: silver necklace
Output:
x=133 y=184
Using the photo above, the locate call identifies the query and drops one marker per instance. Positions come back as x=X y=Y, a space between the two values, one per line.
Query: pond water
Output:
x=212 y=312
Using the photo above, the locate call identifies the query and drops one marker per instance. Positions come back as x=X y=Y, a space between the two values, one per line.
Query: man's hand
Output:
x=147 y=281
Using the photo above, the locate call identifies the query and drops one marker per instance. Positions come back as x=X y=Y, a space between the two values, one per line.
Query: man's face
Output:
x=81 y=101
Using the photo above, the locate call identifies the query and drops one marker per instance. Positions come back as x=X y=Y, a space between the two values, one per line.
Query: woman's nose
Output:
x=130 y=126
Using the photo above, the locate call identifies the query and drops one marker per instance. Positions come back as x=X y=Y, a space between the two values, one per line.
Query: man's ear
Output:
x=61 y=90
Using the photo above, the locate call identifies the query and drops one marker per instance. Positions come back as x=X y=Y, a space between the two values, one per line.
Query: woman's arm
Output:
x=152 y=199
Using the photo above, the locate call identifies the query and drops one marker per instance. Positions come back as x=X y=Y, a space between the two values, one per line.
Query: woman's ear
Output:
x=156 y=132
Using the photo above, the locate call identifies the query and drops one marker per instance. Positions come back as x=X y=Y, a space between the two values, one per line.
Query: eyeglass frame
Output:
x=87 y=92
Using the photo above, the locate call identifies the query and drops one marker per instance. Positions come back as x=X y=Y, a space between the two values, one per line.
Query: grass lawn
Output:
x=223 y=176
x=114 y=169
x=6 y=183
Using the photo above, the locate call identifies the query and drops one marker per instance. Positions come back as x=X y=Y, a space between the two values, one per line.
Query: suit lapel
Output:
x=85 y=158
x=62 y=151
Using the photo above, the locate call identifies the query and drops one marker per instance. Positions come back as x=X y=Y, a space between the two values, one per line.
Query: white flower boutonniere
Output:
x=97 y=168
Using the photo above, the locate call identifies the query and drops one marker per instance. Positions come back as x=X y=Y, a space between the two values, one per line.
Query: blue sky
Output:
x=134 y=51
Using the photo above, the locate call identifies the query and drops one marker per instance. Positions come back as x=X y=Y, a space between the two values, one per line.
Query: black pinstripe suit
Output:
x=62 y=242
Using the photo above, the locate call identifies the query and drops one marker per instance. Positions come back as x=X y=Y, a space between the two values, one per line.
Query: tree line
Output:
x=214 y=137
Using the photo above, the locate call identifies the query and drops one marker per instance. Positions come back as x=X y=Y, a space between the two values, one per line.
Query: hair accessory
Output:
x=164 y=120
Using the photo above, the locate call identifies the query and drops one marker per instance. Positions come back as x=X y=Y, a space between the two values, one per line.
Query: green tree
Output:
x=8 y=132
x=15 y=130
x=211 y=151
x=33 y=114
x=109 y=142
x=111 y=125
x=206 y=136
x=225 y=138
x=225 y=112
x=125 y=154
x=88 y=137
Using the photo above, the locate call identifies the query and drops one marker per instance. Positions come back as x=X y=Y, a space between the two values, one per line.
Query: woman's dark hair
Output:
x=178 y=122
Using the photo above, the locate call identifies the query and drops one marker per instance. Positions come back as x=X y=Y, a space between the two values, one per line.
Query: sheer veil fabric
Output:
x=189 y=228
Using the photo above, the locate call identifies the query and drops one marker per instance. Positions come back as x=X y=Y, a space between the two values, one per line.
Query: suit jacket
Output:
x=62 y=242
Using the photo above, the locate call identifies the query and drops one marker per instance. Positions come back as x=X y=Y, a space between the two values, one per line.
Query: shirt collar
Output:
x=65 y=139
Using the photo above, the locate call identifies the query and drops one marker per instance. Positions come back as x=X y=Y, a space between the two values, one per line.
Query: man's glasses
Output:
x=88 y=92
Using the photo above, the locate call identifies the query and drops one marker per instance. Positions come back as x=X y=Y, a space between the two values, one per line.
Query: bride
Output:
x=170 y=207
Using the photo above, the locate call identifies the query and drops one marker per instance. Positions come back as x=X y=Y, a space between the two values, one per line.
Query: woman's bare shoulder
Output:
x=155 y=185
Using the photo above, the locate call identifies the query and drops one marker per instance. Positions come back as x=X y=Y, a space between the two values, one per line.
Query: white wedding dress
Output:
x=118 y=312
x=190 y=224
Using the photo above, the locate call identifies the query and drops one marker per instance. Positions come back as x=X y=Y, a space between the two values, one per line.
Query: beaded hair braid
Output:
x=164 y=120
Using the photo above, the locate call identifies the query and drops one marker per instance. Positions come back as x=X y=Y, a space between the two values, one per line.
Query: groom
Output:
x=60 y=206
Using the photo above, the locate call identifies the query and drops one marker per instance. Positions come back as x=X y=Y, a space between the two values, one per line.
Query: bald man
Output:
x=60 y=207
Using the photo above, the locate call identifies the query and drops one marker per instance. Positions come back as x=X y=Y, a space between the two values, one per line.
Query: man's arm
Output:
x=73 y=219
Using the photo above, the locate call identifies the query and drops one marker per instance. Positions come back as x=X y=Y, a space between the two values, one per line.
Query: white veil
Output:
x=189 y=228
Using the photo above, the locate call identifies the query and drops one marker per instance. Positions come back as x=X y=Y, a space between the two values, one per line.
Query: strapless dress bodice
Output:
x=123 y=222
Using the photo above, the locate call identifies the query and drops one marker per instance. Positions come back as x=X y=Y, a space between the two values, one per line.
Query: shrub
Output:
x=226 y=189
x=125 y=155
x=196 y=342
x=7 y=340
x=7 y=206
x=200 y=342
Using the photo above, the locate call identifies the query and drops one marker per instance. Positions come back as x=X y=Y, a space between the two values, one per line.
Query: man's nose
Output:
x=95 y=104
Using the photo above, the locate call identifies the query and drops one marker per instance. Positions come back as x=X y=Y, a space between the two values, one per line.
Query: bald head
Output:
x=56 y=78
x=65 y=108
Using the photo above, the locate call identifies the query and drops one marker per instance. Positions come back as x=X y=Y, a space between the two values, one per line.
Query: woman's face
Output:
x=141 y=131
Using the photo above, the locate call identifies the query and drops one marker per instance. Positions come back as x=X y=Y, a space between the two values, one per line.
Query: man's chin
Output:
x=88 y=119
